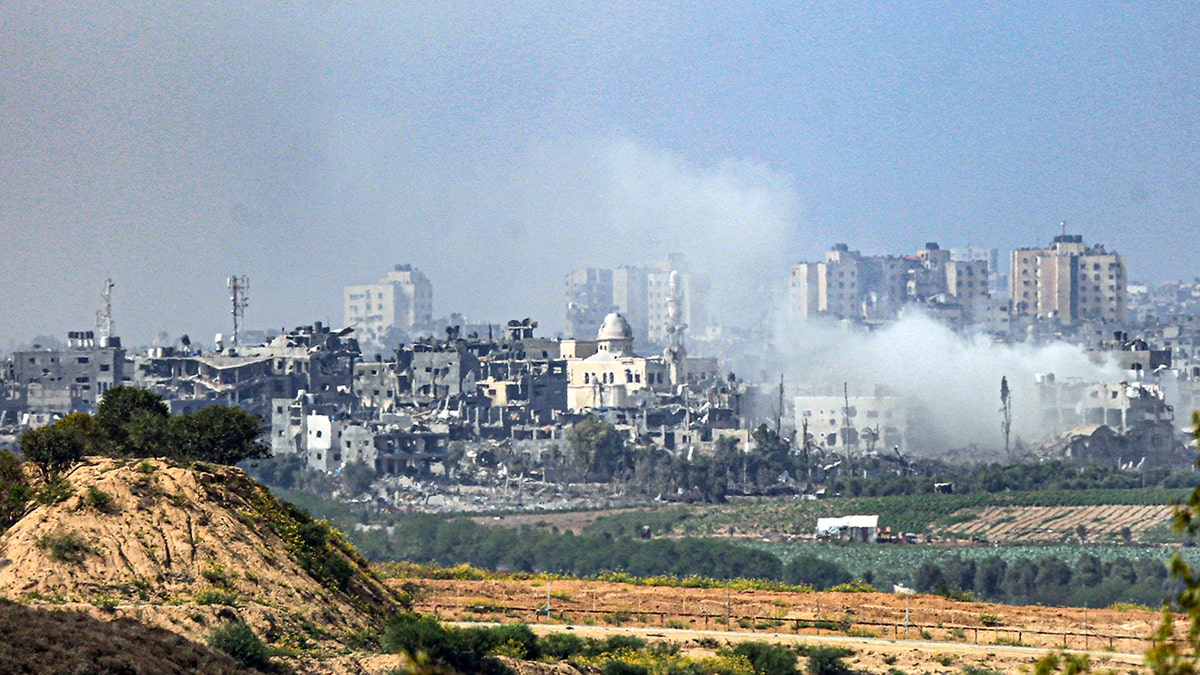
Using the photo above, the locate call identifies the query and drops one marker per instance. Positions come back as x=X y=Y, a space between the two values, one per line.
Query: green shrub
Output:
x=54 y=490
x=464 y=650
x=216 y=575
x=991 y=620
x=768 y=659
x=238 y=640
x=97 y=499
x=561 y=646
x=69 y=547
x=828 y=661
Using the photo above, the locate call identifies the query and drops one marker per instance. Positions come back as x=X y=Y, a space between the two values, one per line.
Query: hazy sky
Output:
x=496 y=146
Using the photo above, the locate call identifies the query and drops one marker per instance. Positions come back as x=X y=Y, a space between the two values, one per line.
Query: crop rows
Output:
x=901 y=560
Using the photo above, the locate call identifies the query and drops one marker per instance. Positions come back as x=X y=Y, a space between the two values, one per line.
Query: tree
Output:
x=15 y=491
x=1006 y=413
x=53 y=448
x=599 y=446
x=815 y=572
x=357 y=477
x=133 y=421
x=219 y=434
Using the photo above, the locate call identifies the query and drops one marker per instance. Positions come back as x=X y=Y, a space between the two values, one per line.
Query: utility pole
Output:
x=239 y=289
x=779 y=412
x=1006 y=413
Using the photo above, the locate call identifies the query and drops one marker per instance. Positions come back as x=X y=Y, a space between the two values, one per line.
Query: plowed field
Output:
x=1038 y=524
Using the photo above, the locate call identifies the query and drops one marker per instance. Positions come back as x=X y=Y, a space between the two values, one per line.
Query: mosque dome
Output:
x=615 y=327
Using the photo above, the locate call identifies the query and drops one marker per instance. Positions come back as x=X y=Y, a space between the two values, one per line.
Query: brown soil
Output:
x=1036 y=524
x=1001 y=637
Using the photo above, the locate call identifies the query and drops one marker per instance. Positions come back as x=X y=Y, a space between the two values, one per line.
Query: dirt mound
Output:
x=33 y=643
x=186 y=548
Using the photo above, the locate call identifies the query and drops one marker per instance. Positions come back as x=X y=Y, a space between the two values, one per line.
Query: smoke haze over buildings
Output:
x=954 y=379
x=312 y=147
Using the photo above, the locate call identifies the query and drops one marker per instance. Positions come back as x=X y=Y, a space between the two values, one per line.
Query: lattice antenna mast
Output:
x=239 y=297
x=104 y=319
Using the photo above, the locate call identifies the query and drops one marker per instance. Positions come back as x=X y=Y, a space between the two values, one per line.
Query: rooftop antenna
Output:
x=239 y=289
x=1063 y=225
x=104 y=320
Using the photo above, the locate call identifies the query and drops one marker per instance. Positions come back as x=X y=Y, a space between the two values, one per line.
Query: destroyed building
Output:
x=65 y=380
x=1138 y=424
x=312 y=359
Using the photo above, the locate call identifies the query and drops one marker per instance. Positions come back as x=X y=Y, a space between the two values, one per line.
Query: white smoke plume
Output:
x=954 y=378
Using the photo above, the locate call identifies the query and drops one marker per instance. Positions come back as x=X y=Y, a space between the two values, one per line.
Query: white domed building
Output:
x=607 y=373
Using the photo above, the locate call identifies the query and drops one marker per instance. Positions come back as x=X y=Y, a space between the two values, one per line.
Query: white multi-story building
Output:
x=399 y=302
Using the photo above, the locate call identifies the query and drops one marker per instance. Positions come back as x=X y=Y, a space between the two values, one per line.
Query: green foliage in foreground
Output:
x=15 y=491
x=407 y=570
x=1170 y=655
x=474 y=650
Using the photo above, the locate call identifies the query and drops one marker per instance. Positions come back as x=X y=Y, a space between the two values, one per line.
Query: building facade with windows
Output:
x=1069 y=281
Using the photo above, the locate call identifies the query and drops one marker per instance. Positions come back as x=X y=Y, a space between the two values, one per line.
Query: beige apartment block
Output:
x=1069 y=281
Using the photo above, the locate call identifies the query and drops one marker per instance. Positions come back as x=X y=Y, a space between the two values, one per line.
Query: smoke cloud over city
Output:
x=953 y=379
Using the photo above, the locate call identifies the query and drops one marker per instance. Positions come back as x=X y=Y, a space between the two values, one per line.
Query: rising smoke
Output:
x=953 y=378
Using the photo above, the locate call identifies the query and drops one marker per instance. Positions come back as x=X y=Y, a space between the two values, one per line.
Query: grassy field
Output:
x=901 y=560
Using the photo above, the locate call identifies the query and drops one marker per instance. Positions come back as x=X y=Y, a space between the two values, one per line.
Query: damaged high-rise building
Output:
x=850 y=285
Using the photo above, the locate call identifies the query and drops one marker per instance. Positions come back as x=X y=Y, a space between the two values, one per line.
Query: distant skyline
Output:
x=497 y=147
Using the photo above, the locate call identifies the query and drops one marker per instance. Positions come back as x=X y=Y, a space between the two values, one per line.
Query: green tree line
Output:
x=132 y=423
x=1090 y=582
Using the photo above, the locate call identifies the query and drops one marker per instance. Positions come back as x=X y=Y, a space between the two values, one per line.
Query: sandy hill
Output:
x=186 y=548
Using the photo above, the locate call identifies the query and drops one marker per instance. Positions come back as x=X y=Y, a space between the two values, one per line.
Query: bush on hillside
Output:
x=238 y=640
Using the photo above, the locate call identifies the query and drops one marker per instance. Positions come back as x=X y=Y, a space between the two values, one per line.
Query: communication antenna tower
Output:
x=104 y=320
x=239 y=289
